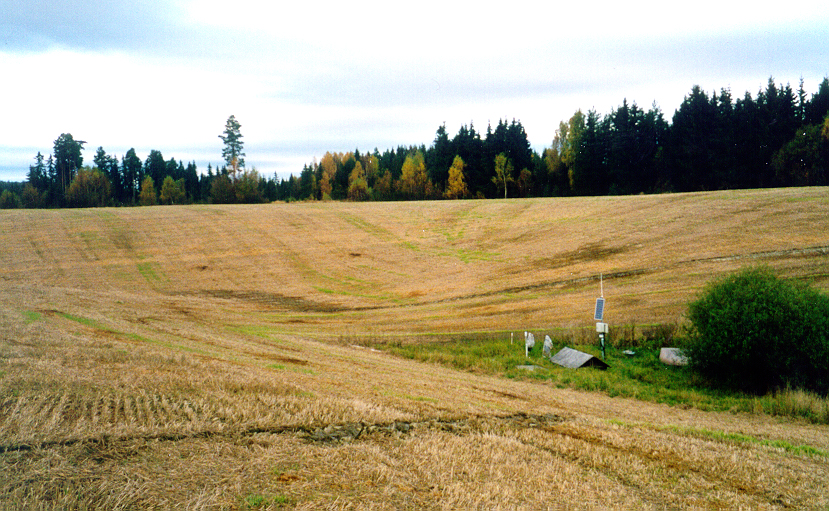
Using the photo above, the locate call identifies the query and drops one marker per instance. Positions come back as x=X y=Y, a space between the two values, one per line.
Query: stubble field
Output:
x=218 y=356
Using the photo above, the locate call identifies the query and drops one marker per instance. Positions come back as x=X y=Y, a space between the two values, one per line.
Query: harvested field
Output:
x=212 y=356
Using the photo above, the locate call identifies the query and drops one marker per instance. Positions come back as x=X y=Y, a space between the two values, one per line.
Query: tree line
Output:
x=776 y=138
x=61 y=179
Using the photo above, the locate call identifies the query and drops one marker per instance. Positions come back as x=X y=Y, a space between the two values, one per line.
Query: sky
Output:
x=337 y=76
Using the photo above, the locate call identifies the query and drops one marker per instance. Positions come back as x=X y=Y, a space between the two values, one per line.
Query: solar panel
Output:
x=599 y=309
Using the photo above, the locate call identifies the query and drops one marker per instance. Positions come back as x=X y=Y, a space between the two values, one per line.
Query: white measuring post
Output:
x=529 y=342
x=598 y=315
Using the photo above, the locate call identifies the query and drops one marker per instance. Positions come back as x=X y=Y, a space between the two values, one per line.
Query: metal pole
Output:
x=601 y=289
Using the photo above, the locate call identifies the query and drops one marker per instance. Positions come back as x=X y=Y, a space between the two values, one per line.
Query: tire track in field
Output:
x=661 y=456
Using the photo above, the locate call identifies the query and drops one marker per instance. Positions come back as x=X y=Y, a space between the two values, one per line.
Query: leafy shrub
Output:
x=89 y=189
x=247 y=188
x=222 y=190
x=9 y=200
x=147 y=195
x=754 y=332
x=172 y=191
x=31 y=197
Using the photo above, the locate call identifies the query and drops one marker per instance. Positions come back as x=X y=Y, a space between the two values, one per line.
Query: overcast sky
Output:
x=335 y=76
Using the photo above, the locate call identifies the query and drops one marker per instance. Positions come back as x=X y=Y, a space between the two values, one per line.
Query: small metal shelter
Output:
x=573 y=359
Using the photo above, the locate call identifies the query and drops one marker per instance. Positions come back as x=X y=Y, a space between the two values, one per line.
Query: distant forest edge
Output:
x=779 y=138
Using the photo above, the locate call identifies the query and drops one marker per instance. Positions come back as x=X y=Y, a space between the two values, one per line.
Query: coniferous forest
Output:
x=778 y=137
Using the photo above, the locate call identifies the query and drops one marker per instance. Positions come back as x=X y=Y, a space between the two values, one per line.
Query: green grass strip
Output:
x=31 y=316
x=150 y=272
x=722 y=436
x=86 y=322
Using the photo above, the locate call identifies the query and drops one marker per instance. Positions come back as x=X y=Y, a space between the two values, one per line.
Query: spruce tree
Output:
x=233 y=150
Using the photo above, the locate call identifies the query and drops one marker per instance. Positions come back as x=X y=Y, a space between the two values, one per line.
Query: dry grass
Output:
x=201 y=357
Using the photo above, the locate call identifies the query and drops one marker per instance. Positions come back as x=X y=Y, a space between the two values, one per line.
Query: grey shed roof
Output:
x=573 y=359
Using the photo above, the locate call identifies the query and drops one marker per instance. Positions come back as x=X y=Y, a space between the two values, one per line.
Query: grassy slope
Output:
x=183 y=356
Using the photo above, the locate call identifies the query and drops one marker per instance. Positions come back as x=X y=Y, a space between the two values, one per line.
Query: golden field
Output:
x=210 y=357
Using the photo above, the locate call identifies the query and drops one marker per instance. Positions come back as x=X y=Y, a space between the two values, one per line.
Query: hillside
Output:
x=205 y=356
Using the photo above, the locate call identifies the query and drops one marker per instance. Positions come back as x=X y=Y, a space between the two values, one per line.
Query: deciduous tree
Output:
x=510 y=139
x=9 y=200
x=456 y=183
x=172 y=191
x=147 y=196
x=329 y=170
x=414 y=182
x=757 y=332
x=89 y=189
x=371 y=165
x=525 y=182
x=247 y=188
x=503 y=172
x=570 y=138
x=556 y=172
x=357 y=184
x=383 y=186
x=800 y=162
x=31 y=197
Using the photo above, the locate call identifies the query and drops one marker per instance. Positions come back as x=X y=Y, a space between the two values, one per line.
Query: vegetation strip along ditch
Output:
x=329 y=433
x=351 y=431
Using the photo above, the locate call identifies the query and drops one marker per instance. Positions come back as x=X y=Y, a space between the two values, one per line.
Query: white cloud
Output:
x=312 y=76
x=115 y=96
x=465 y=25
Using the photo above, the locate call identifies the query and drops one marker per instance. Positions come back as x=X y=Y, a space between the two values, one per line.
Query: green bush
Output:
x=89 y=189
x=172 y=191
x=9 y=200
x=755 y=332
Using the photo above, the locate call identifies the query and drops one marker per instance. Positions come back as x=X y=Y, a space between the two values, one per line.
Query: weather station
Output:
x=598 y=316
